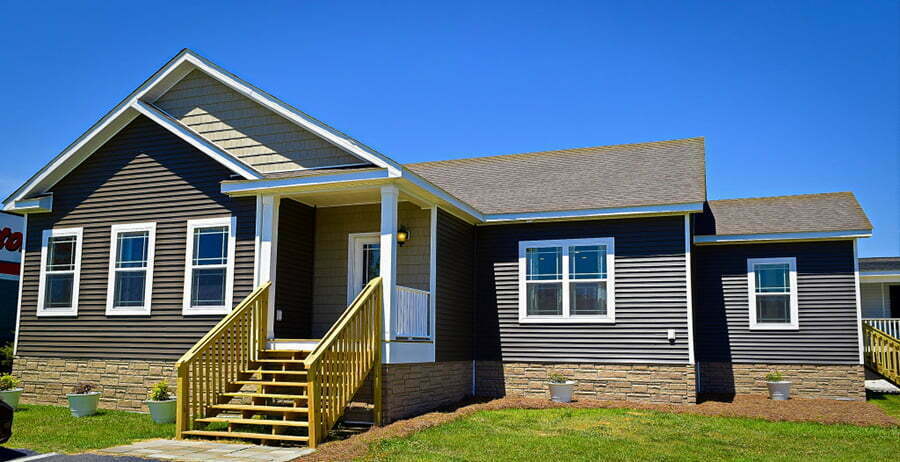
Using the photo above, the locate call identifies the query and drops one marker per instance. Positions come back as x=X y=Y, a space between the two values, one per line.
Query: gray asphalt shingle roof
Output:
x=891 y=264
x=626 y=175
x=784 y=214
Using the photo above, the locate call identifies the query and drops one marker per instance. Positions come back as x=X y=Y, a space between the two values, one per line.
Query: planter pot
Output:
x=11 y=397
x=779 y=391
x=561 y=392
x=163 y=412
x=83 y=405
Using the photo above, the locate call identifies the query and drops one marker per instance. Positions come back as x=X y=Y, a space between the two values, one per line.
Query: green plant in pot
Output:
x=9 y=390
x=161 y=403
x=561 y=388
x=83 y=400
x=779 y=389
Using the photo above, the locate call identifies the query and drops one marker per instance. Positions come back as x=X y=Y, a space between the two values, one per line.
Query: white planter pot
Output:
x=779 y=391
x=83 y=405
x=561 y=392
x=11 y=397
x=163 y=412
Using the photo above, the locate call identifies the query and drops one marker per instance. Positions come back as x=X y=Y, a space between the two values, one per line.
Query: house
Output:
x=879 y=289
x=205 y=232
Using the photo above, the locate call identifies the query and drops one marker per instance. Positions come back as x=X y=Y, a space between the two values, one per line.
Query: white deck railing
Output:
x=412 y=320
x=890 y=326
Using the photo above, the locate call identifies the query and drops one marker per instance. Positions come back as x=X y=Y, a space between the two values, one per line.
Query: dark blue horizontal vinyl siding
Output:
x=826 y=297
x=651 y=295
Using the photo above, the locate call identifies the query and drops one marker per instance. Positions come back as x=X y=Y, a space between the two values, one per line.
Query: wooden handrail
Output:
x=206 y=370
x=882 y=353
x=340 y=363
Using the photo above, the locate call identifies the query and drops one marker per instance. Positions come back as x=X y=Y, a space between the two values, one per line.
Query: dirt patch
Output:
x=753 y=406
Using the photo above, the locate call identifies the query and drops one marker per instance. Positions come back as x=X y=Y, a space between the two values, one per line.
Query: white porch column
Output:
x=388 y=262
x=267 y=250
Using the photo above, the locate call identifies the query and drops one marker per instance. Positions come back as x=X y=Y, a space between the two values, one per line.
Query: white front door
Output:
x=364 y=261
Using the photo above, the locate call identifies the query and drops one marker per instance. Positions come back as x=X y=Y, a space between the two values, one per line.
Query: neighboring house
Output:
x=607 y=264
x=11 y=228
x=879 y=284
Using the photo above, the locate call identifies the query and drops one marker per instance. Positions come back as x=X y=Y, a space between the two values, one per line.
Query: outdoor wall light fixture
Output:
x=402 y=235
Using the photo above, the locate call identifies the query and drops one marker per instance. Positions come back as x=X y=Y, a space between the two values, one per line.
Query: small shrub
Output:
x=6 y=358
x=557 y=378
x=774 y=376
x=160 y=392
x=83 y=388
x=8 y=382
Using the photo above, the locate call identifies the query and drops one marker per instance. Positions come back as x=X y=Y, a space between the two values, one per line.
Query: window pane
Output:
x=210 y=245
x=61 y=255
x=129 y=288
x=545 y=299
x=772 y=278
x=587 y=298
x=208 y=287
x=132 y=249
x=773 y=308
x=587 y=262
x=371 y=262
x=544 y=263
x=58 y=292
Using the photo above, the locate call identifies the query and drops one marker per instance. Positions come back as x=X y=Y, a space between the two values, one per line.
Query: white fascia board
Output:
x=195 y=140
x=270 y=186
x=617 y=212
x=879 y=276
x=304 y=120
x=775 y=237
x=41 y=204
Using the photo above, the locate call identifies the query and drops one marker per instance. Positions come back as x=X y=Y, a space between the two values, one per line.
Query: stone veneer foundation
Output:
x=809 y=381
x=413 y=389
x=653 y=383
x=123 y=383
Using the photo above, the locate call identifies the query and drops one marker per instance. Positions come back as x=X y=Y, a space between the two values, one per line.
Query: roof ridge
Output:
x=832 y=193
x=555 y=151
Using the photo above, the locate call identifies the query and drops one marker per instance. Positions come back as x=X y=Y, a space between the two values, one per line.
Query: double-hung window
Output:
x=209 y=266
x=130 y=284
x=567 y=280
x=773 y=293
x=60 y=272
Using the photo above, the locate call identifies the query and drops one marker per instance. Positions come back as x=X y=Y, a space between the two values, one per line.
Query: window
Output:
x=566 y=281
x=773 y=293
x=209 y=266
x=60 y=272
x=130 y=282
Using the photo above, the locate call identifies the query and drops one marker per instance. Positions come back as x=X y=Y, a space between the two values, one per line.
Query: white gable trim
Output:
x=778 y=237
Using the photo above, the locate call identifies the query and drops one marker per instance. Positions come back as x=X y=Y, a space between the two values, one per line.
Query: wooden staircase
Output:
x=881 y=352
x=232 y=384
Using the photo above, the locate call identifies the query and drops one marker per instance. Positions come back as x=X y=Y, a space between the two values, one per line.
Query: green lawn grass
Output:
x=889 y=402
x=621 y=434
x=53 y=429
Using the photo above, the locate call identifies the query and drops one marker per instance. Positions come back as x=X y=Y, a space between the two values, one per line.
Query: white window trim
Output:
x=148 y=281
x=76 y=279
x=794 y=305
x=610 y=316
x=187 y=309
x=355 y=241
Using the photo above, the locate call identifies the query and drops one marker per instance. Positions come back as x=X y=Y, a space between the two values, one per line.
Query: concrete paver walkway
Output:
x=189 y=450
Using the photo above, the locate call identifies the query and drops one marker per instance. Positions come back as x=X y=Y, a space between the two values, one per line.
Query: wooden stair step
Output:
x=269 y=383
x=246 y=435
x=305 y=350
x=280 y=361
x=259 y=408
x=265 y=371
x=238 y=420
x=241 y=394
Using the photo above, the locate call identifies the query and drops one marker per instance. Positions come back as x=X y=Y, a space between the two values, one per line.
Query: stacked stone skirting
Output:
x=654 y=383
x=123 y=383
x=808 y=381
x=413 y=389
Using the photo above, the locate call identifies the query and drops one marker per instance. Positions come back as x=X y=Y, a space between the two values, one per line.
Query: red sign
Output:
x=10 y=240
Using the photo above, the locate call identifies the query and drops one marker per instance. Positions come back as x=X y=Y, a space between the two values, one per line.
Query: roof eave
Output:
x=781 y=237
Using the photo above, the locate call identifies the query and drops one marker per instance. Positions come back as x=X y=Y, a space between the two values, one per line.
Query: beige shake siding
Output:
x=256 y=135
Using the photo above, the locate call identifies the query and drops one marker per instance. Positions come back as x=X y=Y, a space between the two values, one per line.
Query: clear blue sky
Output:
x=792 y=97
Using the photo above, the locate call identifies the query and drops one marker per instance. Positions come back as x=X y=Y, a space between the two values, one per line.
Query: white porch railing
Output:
x=890 y=326
x=412 y=320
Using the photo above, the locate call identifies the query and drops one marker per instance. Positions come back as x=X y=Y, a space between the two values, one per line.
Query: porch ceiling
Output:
x=356 y=196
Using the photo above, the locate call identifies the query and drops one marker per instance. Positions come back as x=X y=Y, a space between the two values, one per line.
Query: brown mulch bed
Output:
x=749 y=406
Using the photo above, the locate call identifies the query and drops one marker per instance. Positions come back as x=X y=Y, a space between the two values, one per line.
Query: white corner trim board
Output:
x=144 y=309
x=774 y=237
x=689 y=289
